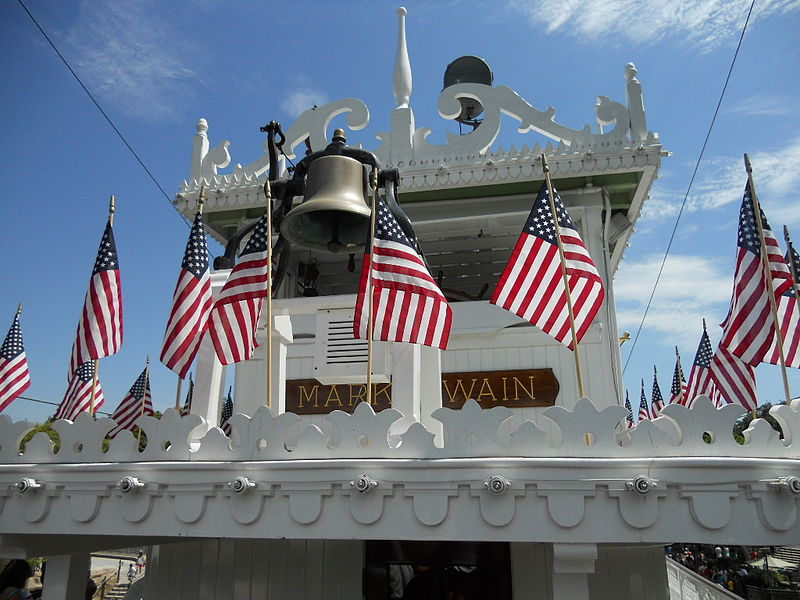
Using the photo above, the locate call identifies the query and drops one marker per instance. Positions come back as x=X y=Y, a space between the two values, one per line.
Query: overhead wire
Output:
x=102 y=112
x=689 y=187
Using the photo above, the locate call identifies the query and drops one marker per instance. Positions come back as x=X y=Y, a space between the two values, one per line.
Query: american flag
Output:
x=236 y=312
x=734 y=379
x=532 y=284
x=657 y=399
x=138 y=402
x=100 y=327
x=77 y=399
x=187 y=405
x=644 y=412
x=14 y=374
x=788 y=310
x=227 y=413
x=700 y=381
x=678 y=389
x=191 y=304
x=629 y=418
x=748 y=330
x=407 y=304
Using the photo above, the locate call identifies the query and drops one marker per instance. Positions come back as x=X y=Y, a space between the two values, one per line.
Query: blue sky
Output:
x=157 y=67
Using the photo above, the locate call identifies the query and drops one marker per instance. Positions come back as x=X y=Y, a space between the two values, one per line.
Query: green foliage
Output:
x=763 y=578
x=46 y=427
x=761 y=412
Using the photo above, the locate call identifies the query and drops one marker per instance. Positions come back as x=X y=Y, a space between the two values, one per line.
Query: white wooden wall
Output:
x=620 y=573
x=256 y=569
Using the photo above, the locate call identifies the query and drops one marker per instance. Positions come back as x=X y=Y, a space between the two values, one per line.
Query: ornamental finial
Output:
x=402 y=66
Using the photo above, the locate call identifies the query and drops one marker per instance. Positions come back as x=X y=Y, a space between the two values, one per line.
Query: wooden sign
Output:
x=514 y=389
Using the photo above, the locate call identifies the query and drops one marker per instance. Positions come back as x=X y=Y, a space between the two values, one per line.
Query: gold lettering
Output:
x=505 y=389
x=518 y=384
x=451 y=396
x=486 y=386
x=382 y=390
x=360 y=396
x=308 y=396
x=333 y=395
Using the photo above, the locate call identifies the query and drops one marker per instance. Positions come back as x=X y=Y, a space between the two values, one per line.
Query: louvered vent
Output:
x=340 y=358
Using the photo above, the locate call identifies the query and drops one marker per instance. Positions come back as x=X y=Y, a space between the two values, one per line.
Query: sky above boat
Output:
x=157 y=67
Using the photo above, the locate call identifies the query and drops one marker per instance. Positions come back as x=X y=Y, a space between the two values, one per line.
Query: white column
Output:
x=406 y=382
x=209 y=380
x=66 y=576
x=572 y=564
x=282 y=336
x=430 y=388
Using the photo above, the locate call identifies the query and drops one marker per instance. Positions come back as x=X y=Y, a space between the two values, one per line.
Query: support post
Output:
x=67 y=576
x=572 y=565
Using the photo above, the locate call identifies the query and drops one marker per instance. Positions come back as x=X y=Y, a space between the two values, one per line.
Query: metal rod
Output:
x=370 y=323
x=565 y=276
x=768 y=273
x=112 y=207
x=268 y=194
x=178 y=394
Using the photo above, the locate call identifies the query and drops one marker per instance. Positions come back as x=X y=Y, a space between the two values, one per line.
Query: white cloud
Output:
x=130 y=59
x=691 y=288
x=721 y=182
x=301 y=98
x=764 y=106
x=704 y=23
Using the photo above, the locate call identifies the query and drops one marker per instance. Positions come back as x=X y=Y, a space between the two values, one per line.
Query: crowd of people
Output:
x=724 y=565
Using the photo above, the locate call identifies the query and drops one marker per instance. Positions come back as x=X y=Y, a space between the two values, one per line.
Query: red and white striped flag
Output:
x=407 y=305
x=657 y=400
x=236 y=312
x=77 y=399
x=678 y=389
x=700 y=381
x=788 y=310
x=14 y=374
x=734 y=379
x=100 y=327
x=749 y=329
x=532 y=284
x=629 y=419
x=191 y=304
x=136 y=403
x=227 y=413
x=187 y=405
x=644 y=411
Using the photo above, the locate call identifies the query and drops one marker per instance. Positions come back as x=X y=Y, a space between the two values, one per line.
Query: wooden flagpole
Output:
x=95 y=376
x=268 y=194
x=768 y=272
x=562 y=257
x=144 y=397
x=373 y=180
x=790 y=249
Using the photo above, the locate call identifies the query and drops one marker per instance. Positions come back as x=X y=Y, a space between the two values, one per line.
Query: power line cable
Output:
x=103 y=112
x=52 y=403
x=689 y=188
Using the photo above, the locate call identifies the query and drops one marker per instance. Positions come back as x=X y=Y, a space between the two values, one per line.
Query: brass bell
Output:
x=334 y=215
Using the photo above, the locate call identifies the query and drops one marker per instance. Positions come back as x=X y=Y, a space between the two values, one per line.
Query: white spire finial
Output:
x=402 y=66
